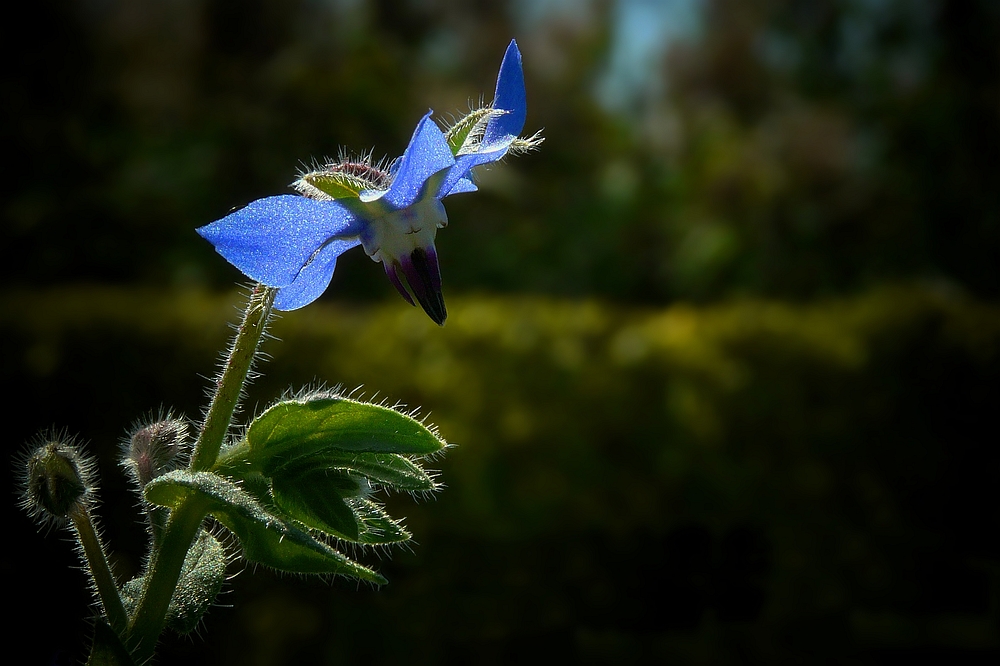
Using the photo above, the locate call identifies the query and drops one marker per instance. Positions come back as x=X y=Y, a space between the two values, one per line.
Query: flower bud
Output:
x=57 y=478
x=154 y=449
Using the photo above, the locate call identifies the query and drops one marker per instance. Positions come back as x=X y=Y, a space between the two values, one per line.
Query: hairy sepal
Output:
x=342 y=180
x=464 y=135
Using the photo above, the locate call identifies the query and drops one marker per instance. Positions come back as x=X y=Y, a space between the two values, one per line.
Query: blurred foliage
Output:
x=753 y=481
x=694 y=418
x=791 y=149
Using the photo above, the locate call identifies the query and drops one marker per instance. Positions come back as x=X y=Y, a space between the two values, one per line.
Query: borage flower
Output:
x=292 y=242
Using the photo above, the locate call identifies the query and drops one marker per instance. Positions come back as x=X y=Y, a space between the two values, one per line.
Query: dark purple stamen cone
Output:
x=423 y=276
x=390 y=271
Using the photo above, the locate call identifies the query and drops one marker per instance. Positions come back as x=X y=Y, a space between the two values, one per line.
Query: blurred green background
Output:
x=722 y=361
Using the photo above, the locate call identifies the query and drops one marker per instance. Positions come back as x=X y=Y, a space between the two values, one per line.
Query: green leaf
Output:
x=388 y=469
x=316 y=499
x=377 y=527
x=107 y=649
x=294 y=429
x=266 y=539
x=257 y=486
x=200 y=581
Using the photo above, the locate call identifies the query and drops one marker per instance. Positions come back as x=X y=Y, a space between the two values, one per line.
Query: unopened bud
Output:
x=155 y=449
x=58 y=478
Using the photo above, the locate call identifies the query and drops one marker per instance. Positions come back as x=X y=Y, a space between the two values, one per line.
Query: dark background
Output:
x=723 y=356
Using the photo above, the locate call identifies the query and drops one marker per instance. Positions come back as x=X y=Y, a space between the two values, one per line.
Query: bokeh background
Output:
x=722 y=359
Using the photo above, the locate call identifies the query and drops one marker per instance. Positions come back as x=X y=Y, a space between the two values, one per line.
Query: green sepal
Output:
x=295 y=429
x=346 y=179
x=333 y=185
x=471 y=125
x=316 y=499
x=201 y=579
x=265 y=538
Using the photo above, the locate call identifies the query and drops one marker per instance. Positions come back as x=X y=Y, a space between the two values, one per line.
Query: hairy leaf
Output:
x=388 y=469
x=316 y=499
x=107 y=649
x=377 y=527
x=294 y=429
x=201 y=579
x=265 y=538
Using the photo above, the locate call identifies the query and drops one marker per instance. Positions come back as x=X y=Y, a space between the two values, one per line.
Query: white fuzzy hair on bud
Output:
x=57 y=477
x=155 y=448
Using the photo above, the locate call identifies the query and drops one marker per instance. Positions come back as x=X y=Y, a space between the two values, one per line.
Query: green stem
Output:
x=157 y=523
x=161 y=579
x=104 y=580
x=182 y=526
x=234 y=374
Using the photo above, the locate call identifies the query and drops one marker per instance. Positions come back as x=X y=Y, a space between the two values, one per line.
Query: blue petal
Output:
x=427 y=154
x=314 y=278
x=271 y=239
x=457 y=180
x=501 y=130
x=510 y=97
x=462 y=185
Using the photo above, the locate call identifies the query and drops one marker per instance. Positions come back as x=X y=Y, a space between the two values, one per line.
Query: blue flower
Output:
x=292 y=242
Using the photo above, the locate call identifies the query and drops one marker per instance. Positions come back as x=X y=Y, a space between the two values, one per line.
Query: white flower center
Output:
x=398 y=233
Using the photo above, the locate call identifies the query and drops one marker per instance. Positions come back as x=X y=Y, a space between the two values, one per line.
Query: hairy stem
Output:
x=182 y=526
x=157 y=523
x=229 y=387
x=161 y=578
x=104 y=580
